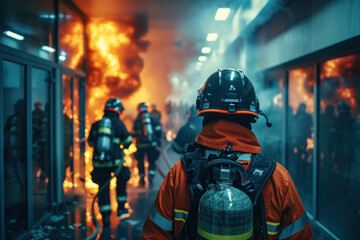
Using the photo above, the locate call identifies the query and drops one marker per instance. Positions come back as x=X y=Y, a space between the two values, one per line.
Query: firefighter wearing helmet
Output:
x=187 y=133
x=223 y=188
x=108 y=137
x=147 y=131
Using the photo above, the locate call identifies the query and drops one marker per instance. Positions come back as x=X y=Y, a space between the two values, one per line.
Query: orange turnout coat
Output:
x=285 y=214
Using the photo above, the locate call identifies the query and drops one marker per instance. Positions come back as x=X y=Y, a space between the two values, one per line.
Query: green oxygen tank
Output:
x=225 y=212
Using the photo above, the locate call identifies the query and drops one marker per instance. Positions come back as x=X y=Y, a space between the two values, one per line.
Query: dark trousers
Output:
x=101 y=176
x=152 y=155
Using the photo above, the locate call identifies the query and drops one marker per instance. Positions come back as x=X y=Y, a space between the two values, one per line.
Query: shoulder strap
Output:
x=192 y=160
x=259 y=172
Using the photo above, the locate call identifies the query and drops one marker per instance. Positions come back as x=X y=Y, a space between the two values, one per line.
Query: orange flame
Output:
x=114 y=67
x=72 y=43
x=339 y=71
x=301 y=88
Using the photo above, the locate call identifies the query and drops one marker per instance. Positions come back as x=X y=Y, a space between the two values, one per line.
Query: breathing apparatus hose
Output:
x=96 y=222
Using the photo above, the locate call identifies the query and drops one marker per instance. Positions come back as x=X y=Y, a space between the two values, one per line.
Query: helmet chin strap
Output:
x=268 y=123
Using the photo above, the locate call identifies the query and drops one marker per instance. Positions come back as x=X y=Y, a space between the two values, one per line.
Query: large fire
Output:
x=301 y=87
x=72 y=43
x=336 y=81
x=114 y=68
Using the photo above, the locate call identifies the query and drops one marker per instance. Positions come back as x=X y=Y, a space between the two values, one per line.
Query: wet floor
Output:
x=75 y=221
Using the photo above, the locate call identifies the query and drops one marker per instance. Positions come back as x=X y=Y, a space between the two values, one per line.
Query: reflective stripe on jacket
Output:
x=285 y=214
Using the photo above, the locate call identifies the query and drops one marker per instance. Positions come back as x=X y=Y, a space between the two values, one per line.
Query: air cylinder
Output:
x=225 y=212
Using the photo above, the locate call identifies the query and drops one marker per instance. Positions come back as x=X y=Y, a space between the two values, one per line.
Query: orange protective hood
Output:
x=217 y=135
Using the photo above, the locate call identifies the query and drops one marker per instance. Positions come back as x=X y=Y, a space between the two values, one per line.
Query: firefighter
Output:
x=107 y=137
x=38 y=115
x=229 y=106
x=15 y=142
x=187 y=133
x=345 y=141
x=147 y=131
x=154 y=112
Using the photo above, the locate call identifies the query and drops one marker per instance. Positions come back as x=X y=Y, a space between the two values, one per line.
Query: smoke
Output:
x=235 y=47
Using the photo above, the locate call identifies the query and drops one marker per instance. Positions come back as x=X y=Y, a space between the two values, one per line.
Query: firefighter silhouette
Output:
x=38 y=116
x=187 y=133
x=15 y=143
x=170 y=114
x=107 y=136
x=345 y=128
x=327 y=137
x=147 y=131
x=154 y=112
x=301 y=131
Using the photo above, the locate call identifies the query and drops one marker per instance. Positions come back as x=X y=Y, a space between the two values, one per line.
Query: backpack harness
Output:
x=250 y=181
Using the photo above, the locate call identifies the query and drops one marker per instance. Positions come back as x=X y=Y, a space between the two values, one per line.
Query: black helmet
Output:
x=114 y=104
x=142 y=107
x=228 y=91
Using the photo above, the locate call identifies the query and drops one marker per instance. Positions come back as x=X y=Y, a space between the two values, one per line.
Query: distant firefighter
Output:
x=154 y=112
x=15 y=143
x=106 y=136
x=327 y=136
x=188 y=132
x=345 y=128
x=148 y=132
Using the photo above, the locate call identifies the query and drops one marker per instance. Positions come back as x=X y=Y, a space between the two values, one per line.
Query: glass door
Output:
x=15 y=145
x=74 y=140
x=68 y=116
x=40 y=102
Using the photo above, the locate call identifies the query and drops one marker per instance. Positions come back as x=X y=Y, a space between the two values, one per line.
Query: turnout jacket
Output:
x=285 y=215
x=138 y=129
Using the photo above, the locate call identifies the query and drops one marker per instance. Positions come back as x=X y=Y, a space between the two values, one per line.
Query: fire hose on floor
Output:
x=117 y=172
x=96 y=222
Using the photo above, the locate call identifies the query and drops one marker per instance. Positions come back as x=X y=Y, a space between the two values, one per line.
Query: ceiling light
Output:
x=14 y=35
x=47 y=48
x=62 y=58
x=199 y=64
x=211 y=37
x=222 y=14
x=47 y=16
x=202 y=58
x=198 y=68
x=206 y=50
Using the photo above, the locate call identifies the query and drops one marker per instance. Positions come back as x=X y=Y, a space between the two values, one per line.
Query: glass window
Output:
x=68 y=132
x=32 y=20
x=271 y=102
x=339 y=146
x=40 y=142
x=78 y=165
x=300 y=131
x=71 y=38
x=15 y=159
